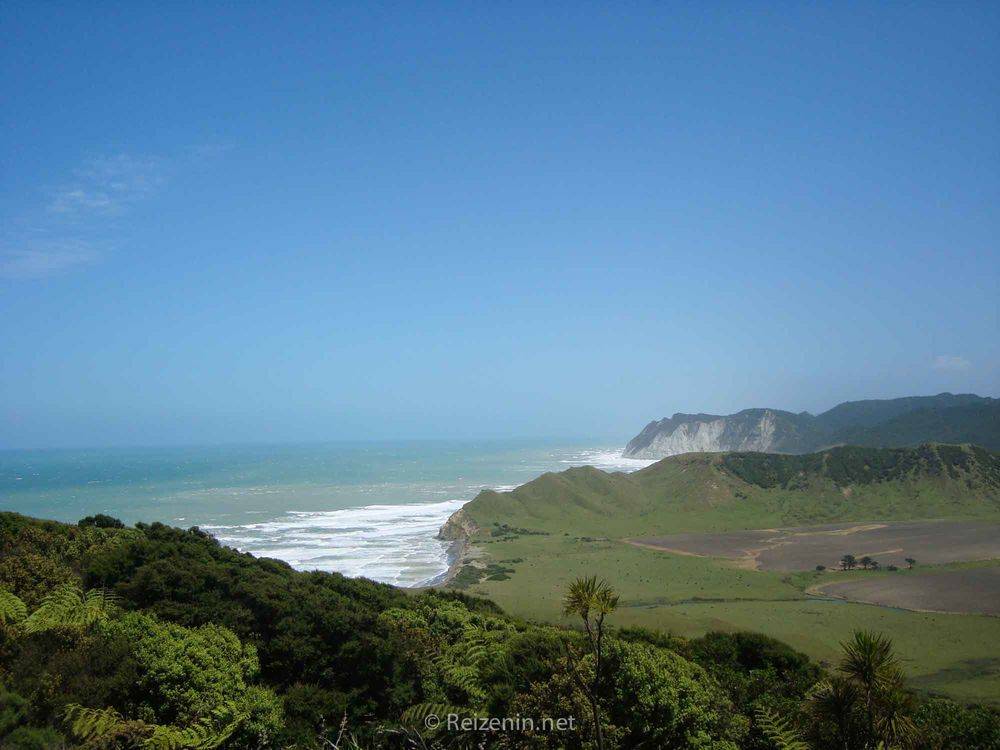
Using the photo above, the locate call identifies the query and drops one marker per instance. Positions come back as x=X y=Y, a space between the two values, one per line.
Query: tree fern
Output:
x=12 y=609
x=68 y=606
x=93 y=725
x=461 y=666
x=106 y=727
x=779 y=730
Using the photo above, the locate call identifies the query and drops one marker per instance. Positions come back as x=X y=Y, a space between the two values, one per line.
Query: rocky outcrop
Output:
x=458 y=527
x=765 y=430
x=885 y=423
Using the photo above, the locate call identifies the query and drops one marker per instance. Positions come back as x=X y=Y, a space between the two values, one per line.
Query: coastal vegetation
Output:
x=154 y=636
x=745 y=541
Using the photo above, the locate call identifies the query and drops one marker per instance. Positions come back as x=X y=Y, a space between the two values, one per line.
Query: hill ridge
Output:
x=738 y=489
x=900 y=422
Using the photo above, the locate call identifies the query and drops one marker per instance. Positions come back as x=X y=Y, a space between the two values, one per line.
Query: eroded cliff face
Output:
x=764 y=430
x=458 y=527
x=886 y=423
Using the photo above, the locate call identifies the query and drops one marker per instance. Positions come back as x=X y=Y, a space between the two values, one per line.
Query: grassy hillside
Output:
x=712 y=491
x=541 y=535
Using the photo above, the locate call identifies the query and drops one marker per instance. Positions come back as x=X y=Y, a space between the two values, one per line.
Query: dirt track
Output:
x=803 y=548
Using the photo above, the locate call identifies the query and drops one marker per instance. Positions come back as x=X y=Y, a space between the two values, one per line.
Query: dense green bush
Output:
x=854 y=465
x=659 y=697
x=261 y=656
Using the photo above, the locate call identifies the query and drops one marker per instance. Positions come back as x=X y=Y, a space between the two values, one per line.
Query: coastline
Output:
x=457 y=556
x=459 y=529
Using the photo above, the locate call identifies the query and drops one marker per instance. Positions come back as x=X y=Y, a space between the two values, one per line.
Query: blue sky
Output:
x=310 y=221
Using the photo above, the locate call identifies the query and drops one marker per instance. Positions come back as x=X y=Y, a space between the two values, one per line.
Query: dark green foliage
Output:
x=506 y=531
x=662 y=700
x=852 y=415
x=34 y=738
x=853 y=465
x=310 y=627
x=469 y=575
x=976 y=423
x=101 y=521
x=947 y=725
x=757 y=672
x=309 y=710
x=36 y=556
x=204 y=645
x=656 y=638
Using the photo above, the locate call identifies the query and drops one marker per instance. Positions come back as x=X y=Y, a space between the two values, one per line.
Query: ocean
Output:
x=362 y=509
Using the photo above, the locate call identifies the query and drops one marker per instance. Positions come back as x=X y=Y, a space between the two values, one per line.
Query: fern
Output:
x=461 y=666
x=778 y=730
x=417 y=715
x=105 y=726
x=12 y=609
x=67 y=606
x=94 y=724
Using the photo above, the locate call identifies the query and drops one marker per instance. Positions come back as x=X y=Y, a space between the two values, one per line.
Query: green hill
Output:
x=974 y=422
x=872 y=412
x=715 y=491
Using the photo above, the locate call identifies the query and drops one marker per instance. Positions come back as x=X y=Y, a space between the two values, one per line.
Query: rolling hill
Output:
x=715 y=491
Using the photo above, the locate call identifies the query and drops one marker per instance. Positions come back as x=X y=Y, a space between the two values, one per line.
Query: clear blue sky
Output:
x=306 y=221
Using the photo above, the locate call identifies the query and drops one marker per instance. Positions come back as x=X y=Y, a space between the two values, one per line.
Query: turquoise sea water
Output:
x=369 y=509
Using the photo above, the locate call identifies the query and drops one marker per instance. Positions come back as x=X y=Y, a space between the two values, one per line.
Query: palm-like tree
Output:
x=835 y=700
x=866 y=703
x=910 y=562
x=871 y=664
x=847 y=562
x=591 y=600
x=866 y=562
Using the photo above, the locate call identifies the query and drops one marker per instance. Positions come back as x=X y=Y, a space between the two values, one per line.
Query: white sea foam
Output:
x=393 y=543
x=607 y=460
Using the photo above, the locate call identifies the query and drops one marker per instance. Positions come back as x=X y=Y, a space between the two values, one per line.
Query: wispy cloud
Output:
x=78 y=220
x=47 y=260
x=108 y=185
x=951 y=363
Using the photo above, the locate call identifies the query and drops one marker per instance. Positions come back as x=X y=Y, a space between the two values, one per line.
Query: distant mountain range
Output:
x=885 y=423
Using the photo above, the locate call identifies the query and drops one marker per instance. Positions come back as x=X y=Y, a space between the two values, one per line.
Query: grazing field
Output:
x=805 y=547
x=954 y=654
x=703 y=542
x=975 y=590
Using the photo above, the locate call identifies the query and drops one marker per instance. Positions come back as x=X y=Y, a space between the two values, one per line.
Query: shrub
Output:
x=101 y=521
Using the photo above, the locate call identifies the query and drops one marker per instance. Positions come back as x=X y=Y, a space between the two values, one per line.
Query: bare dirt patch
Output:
x=805 y=547
x=971 y=590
